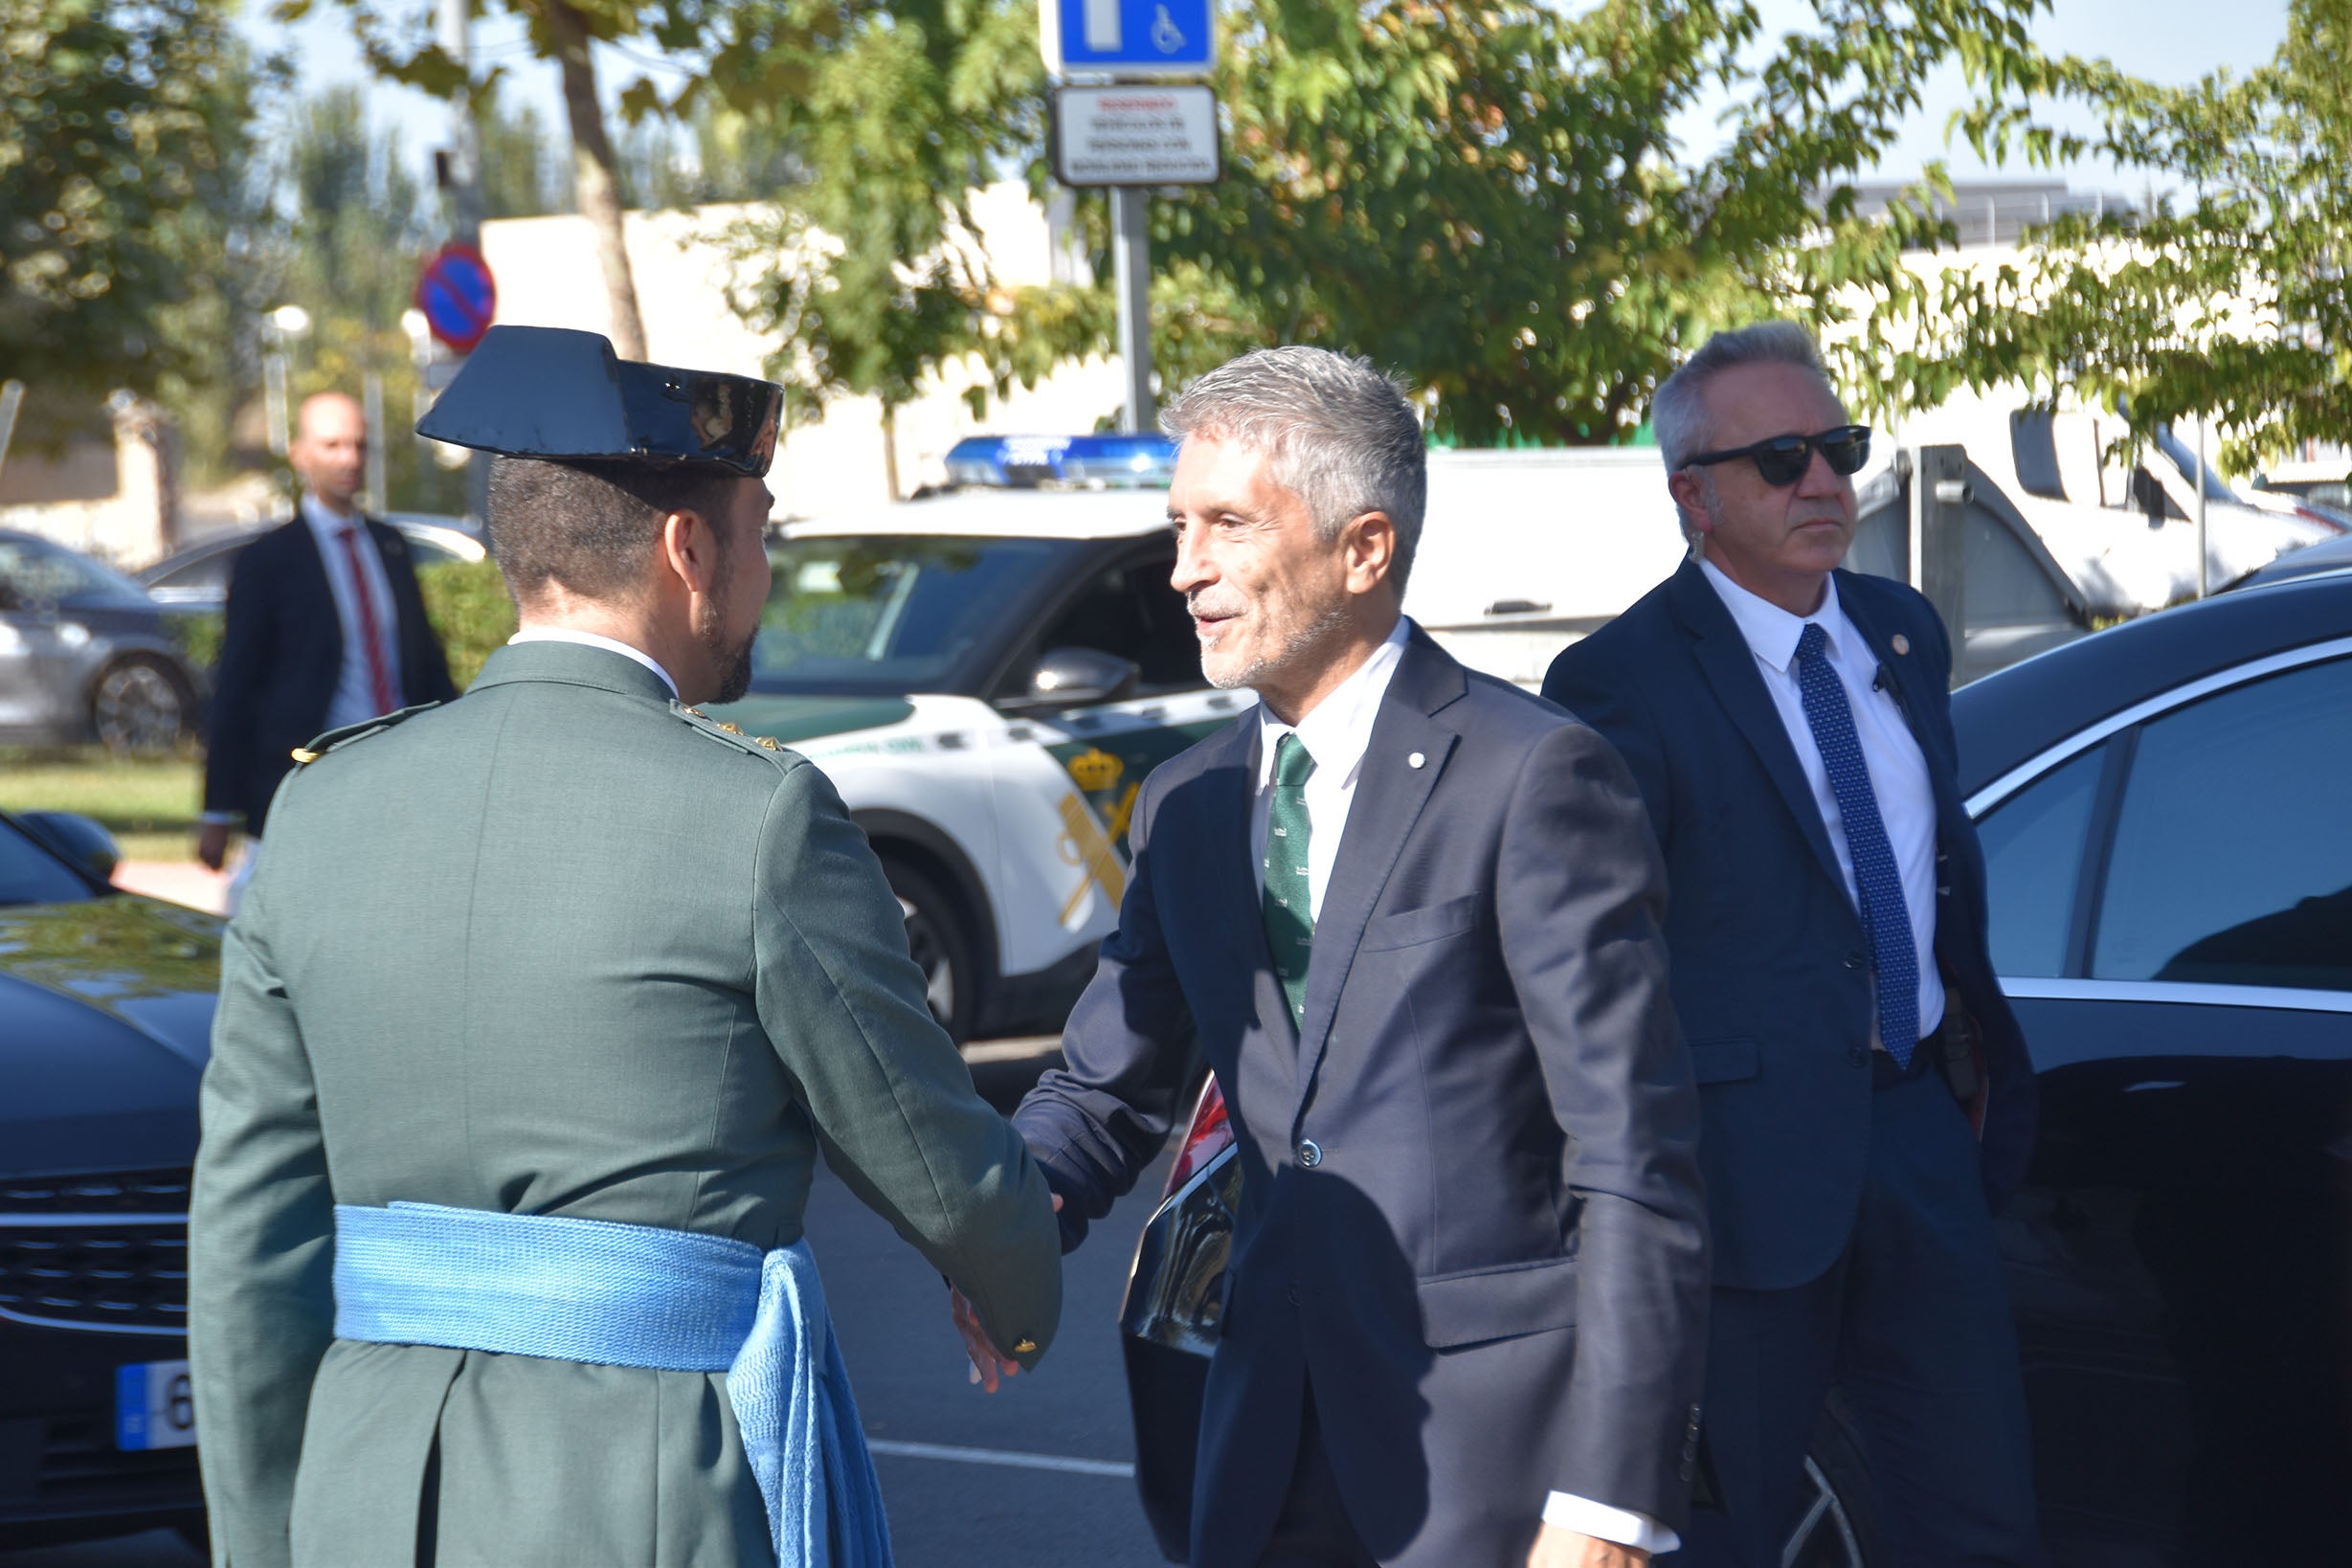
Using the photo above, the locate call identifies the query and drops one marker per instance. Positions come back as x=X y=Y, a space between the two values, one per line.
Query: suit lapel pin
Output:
x=1415 y=760
x=1900 y=643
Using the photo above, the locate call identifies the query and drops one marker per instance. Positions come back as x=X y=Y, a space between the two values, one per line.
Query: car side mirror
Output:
x=1072 y=677
x=81 y=842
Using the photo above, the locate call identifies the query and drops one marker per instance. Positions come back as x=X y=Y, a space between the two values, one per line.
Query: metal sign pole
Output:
x=1132 y=260
x=2204 y=569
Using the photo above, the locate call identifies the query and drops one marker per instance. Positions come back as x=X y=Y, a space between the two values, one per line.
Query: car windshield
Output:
x=890 y=613
x=30 y=874
x=33 y=573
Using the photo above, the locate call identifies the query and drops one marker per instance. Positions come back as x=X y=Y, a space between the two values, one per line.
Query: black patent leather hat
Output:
x=546 y=392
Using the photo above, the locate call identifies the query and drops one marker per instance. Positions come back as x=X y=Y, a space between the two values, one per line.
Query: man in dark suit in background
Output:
x=1789 y=725
x=1410 y=915
x=325 y=629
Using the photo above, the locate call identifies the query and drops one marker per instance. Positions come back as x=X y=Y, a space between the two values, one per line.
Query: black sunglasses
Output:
x=1782 y=459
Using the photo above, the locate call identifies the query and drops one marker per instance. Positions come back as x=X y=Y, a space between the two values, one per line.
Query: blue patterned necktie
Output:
x=1289 y=912
x=1884 y=914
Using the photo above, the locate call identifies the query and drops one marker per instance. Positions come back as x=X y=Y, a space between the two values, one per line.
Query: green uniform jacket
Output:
x=562 y=947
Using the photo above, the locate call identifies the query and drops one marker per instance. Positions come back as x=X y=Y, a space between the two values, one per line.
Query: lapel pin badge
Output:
x=1900 y=643
x=1415 y=760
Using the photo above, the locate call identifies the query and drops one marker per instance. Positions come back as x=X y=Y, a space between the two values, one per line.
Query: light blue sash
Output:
x=639 y=1296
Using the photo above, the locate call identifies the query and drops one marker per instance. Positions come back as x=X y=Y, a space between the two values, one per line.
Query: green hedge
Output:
x=198 y=636
x=465 y=601
x=471 y=613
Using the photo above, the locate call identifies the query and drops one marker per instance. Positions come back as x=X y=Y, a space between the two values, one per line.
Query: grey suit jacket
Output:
x=1492 y=1269
x=559 y=948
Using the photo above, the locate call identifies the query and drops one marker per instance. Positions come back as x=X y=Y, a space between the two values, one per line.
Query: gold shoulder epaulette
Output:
x=335 y=739
x=765 y=743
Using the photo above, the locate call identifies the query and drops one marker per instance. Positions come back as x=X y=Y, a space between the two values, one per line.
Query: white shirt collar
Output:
x=1772 y=632
x=325 y=523
x=1339 y=728
x=593 y=639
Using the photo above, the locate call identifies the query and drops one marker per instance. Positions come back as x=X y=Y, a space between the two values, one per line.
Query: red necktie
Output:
x=379 y=675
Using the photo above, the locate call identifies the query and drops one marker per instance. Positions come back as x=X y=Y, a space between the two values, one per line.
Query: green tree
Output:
x=1485 y=195
x=2228 y=299
x=520 y=173
x=875 y=277
x=747 y=53
x=355 y=228
x=123 y=129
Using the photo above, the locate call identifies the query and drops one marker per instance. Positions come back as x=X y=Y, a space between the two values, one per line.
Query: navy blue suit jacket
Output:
x=282 y=655
x=1771 y=977
x=1495 y=1276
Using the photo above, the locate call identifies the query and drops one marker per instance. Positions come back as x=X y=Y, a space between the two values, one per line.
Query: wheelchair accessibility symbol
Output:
x=1165 y=35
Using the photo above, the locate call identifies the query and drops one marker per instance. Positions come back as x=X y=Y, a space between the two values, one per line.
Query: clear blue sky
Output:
x=2163 y=40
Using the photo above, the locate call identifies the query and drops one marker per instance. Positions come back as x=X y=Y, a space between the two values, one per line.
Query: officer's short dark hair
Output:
x=590 y=526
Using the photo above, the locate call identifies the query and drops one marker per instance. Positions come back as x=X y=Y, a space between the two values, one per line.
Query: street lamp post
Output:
x=280 y=328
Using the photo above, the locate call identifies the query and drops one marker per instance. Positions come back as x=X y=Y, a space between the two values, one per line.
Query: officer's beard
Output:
x=733 y=663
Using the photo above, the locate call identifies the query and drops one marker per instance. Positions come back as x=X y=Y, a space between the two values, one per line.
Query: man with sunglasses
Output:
x=1866 y=1097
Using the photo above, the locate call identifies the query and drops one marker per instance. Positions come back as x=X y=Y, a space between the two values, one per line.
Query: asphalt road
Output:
x=1014 y=1480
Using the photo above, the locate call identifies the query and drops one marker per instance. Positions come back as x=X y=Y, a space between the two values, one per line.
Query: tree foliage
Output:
x=520 y=173
x=2230 y=299
x=874 y=275
x=121 y=134
x=353 y=229
x=747 y=53
x=1485 y=195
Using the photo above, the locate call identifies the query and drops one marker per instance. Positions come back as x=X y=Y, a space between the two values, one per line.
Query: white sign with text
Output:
x=1135 y=135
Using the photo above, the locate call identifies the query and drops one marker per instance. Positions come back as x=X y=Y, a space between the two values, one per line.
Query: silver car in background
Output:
x=86 y=655
x=196 y=576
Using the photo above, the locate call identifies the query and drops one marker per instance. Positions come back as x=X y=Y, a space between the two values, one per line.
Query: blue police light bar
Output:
x=1090 y=461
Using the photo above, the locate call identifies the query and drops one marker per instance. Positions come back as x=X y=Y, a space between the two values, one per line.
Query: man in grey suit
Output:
x=1411 y=917
x=597 y=978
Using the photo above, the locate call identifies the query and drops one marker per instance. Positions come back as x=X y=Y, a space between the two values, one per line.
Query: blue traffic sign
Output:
x=1128 y=38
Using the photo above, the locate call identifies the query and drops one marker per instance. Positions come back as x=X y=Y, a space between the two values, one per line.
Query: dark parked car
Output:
x=105 y=1011
x=85 y=655
x=2171 y=881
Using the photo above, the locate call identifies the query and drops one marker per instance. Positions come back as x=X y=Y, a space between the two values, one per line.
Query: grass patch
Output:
x=150 y=805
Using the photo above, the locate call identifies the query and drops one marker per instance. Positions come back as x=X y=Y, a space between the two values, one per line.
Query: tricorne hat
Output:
x=546 y=391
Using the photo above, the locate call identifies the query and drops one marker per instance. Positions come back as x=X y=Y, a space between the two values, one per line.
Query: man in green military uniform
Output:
x=565 y=950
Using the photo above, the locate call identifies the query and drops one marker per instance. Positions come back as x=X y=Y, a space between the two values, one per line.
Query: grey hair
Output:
x=1341 y=436
x=1678 y=413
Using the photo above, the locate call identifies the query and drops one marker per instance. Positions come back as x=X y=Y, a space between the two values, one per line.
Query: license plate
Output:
x=154 y=1407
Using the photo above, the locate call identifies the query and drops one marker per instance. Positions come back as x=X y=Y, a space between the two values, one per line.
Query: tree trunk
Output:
x=594 y=182
x=889 y=452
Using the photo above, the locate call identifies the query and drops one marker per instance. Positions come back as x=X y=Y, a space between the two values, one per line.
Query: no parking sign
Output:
x=457 y=296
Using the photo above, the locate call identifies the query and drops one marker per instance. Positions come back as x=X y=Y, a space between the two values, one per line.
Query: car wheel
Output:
x=935 y=940
x=139 y=705
x=1838 y=1526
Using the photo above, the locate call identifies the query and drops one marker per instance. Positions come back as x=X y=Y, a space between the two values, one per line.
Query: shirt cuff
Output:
x=221 y=818
x=1620 y=1526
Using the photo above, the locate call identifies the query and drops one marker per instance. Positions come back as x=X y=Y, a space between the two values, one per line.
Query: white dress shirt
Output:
x=1899 y=771
x=593 y=639
x=354 y=700
x=1336 y=733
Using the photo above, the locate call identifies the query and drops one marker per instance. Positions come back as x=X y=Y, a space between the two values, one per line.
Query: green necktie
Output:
x=1289 y=911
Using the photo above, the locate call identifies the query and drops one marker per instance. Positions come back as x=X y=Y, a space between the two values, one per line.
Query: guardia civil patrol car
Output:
x=987 y=674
